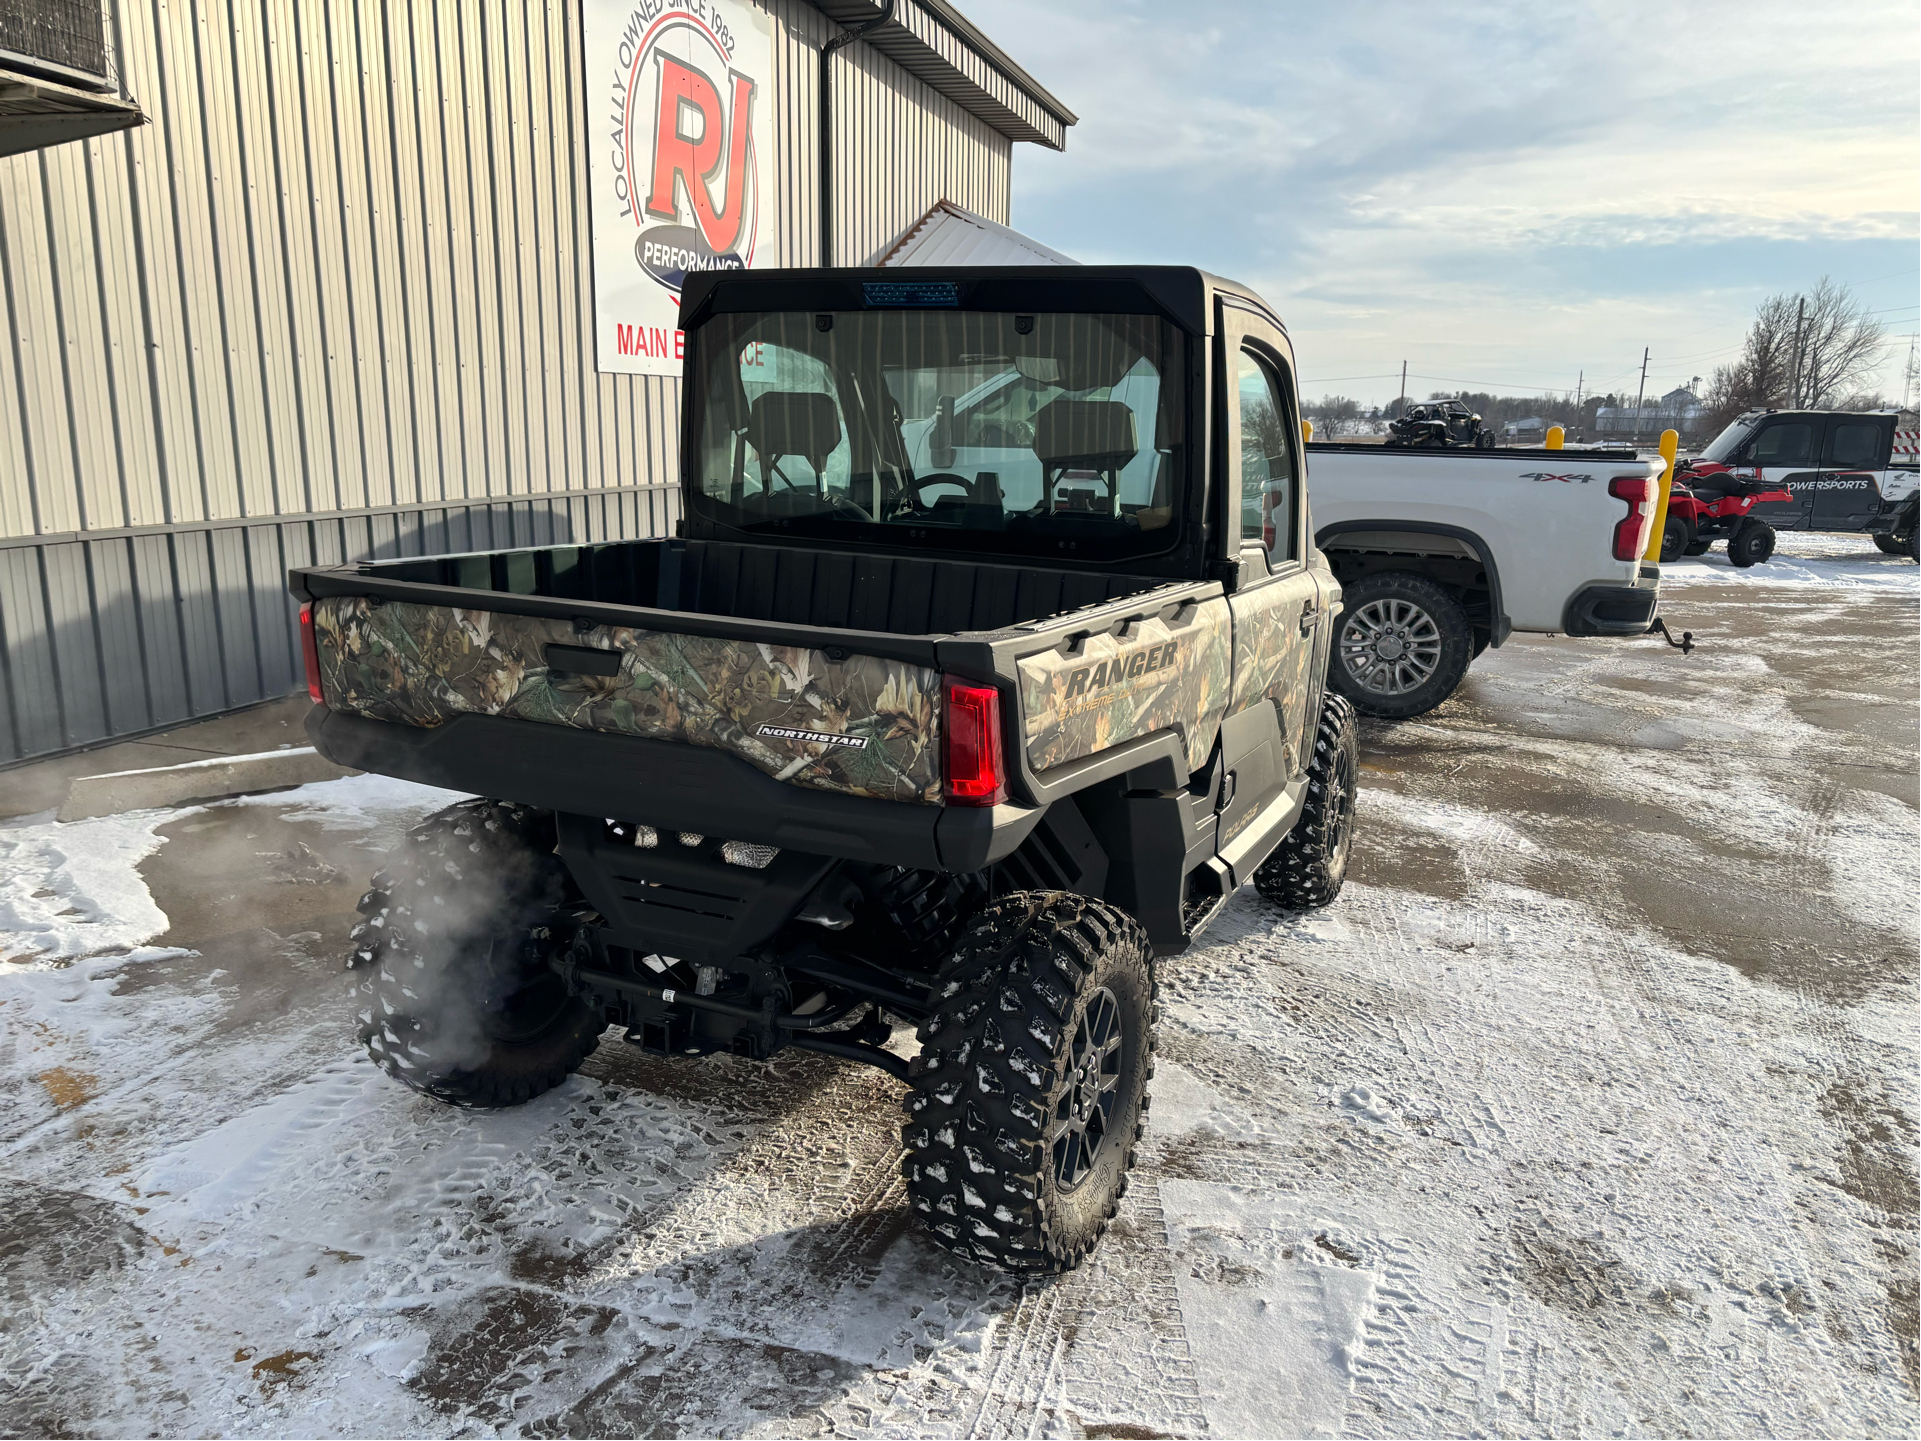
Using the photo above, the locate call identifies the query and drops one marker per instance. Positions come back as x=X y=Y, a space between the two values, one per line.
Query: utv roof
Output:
x=1181 y=293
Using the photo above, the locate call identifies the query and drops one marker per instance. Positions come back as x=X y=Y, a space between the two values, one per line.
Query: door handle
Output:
x=1309 y=614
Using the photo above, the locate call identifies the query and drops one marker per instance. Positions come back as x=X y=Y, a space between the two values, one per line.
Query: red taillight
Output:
x=975 y=776
x=310 y=651
x=1631 y=531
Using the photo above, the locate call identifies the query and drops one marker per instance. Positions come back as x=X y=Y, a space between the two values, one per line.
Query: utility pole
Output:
x=1794 y=382
x=1403 y=387
x=1641 y=392
x=1578 y=384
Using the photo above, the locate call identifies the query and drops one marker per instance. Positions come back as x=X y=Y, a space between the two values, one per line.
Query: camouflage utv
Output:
x=985 y=665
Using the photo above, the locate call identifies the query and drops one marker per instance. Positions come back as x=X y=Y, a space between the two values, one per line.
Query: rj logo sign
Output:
x=678 y=169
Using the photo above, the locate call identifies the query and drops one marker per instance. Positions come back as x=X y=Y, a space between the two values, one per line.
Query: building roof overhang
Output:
x=36 y=112
x=935 y=43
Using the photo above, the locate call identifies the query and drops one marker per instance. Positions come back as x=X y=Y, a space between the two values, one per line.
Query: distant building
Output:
x=1679 y=409
x=1532 y=428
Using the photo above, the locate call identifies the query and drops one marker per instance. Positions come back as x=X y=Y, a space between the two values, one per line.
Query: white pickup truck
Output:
x=1442 y=553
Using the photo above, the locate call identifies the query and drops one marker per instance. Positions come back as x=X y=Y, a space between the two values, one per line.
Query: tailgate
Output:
x=859 y=725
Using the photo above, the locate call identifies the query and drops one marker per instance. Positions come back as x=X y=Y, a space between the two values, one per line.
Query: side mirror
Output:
x=940 y=436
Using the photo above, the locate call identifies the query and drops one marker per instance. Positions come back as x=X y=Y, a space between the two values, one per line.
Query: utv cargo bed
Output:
x=666 y=678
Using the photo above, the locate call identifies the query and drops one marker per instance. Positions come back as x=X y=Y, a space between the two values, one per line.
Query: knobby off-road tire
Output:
x=1752 y=544
x=1418 y=620
x=1676 y=536
x=1031 y=1087
x=1308 y=869
x=456 y=998
x=1698 y=547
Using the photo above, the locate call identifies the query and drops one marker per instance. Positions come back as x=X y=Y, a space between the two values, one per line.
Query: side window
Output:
x=1791 y=443
x=1268 y=478
x=1854 y=446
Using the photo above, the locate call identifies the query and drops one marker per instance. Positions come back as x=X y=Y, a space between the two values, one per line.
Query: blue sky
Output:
x=1504 y=196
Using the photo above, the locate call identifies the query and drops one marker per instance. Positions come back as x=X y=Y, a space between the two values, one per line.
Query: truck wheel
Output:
x=1401 y=645
x=1031 y=1086
x=1676 y=536
x=1307 y=871
x=456 y=997
x=1897 y=544
x=1752 y=544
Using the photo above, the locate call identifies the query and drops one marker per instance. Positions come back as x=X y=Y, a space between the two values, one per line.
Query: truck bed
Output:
x=875 y=594
x=637 y=679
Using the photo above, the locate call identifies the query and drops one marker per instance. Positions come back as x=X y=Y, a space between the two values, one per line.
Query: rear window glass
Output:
x=1044 y=434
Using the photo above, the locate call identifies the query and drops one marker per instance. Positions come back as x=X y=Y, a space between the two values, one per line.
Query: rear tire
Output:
x=1401 y=645
x=1308 y=869
x=456 y=997
x=1698 y=547
x=1752 y=544
x=1030 y=1090
x=1889 y=545
x=1676 y=536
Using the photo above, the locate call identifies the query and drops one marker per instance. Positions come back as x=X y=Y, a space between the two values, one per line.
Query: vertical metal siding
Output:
x=335 y=302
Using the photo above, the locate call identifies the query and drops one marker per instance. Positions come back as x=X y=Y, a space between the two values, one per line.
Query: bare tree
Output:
x=1839 y=347
x=1808 y=350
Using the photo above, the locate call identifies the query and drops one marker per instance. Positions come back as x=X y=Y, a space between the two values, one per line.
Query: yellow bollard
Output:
x=1307 y=431
x=1555 y=435
x=1670 y=442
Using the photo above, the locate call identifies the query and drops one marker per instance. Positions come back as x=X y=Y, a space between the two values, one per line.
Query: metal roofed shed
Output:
x=949 y=235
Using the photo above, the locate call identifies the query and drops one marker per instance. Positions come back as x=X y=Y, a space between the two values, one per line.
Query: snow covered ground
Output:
x=1803 y=558
x=1589 y=1108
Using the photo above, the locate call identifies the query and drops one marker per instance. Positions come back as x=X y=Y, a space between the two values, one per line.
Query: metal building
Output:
x=287 y=280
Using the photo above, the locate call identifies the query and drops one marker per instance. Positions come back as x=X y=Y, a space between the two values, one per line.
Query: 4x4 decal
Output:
x=1568 y=479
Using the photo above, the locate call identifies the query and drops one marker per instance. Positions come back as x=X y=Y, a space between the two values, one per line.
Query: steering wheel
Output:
x=944 y=478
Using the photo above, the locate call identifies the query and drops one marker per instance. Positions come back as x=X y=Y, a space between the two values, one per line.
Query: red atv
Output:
x=1710 y=502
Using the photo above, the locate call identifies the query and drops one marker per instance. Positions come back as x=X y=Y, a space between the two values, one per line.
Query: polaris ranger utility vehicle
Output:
x=872 y=738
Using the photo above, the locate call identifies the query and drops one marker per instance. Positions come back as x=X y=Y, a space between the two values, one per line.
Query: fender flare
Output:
x=1503 y=627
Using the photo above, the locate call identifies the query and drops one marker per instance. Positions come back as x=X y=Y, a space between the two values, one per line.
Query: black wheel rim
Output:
x=1084 y=1114
x=529 y=996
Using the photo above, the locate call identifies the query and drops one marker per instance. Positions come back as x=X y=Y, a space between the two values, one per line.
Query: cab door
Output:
x=1853 y=455
x=1781 y=452
x=1265 y=737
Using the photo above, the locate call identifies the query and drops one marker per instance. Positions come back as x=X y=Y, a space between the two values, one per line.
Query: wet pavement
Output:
x=1587 y=1108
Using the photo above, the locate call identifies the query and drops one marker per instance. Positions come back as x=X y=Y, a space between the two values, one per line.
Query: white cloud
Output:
x=1491 y=191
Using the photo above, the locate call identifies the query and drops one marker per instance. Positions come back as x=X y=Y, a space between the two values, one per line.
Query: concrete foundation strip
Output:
x=211 y=779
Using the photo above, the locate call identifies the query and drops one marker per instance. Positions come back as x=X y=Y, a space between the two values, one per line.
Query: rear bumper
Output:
x=1611 y=610
x=669 y=785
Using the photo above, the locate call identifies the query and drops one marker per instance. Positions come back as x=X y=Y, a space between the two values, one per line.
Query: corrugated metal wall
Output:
x=335 y=302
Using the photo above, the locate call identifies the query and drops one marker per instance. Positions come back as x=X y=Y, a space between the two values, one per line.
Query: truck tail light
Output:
x=975 y=775
x=310 y=652
x=1631 y=531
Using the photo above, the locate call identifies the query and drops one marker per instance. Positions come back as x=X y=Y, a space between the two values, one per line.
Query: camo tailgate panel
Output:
x=1116 y=689
x=863 y=726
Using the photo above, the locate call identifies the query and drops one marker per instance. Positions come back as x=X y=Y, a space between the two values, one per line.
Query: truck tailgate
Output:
x=860 y=725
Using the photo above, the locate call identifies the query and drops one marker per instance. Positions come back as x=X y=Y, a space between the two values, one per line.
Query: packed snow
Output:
x=1500 y=1143
x=1803 y=558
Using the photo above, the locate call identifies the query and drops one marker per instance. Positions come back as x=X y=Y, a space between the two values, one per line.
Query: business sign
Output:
x=681 y=134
